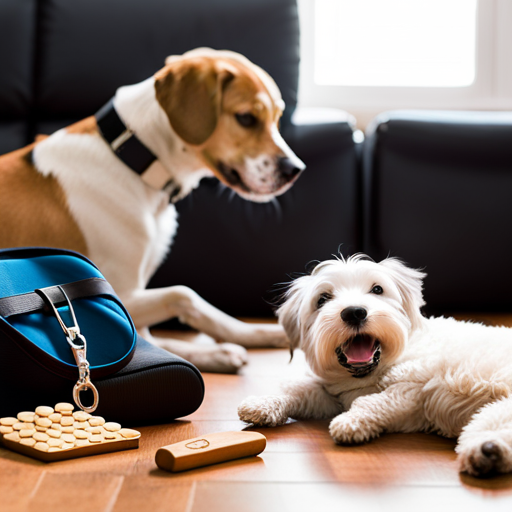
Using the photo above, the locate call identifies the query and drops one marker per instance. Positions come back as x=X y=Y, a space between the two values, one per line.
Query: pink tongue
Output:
x=360 y=350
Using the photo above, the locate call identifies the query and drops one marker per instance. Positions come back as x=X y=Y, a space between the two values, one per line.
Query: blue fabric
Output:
x=23 y=275
x=108 y=329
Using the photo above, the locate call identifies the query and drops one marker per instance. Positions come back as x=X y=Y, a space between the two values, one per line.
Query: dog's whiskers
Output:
x=277 y=208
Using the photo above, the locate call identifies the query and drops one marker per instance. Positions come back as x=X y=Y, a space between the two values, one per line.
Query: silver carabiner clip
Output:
x=83 y=384
x=78 y=345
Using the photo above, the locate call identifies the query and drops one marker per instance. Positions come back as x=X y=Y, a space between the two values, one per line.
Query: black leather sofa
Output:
x=431 y=188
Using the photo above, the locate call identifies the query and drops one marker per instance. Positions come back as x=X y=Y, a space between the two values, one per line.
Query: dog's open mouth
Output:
x=360 y=355
x=232 y=176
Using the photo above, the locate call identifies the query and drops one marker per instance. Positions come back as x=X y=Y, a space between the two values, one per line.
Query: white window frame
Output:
x=491 y=90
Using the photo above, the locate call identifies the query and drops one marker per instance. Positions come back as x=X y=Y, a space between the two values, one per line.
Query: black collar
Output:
x=132 y=152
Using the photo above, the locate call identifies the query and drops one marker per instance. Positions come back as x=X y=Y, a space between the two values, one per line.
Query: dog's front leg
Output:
x=152 y=306
x=396 y=409
x=302 y=400
x=485 y=445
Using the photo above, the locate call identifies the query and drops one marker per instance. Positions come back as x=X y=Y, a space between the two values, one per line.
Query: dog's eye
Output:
x=377 y=290
x=323 y=299
x=246 y=120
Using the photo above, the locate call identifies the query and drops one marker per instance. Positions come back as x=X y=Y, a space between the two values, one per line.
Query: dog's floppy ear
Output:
x=190 y=92
x=289 y=314
x=410 y=285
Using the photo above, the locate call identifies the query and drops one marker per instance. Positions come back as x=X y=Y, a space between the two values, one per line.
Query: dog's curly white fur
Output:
x=378 y=366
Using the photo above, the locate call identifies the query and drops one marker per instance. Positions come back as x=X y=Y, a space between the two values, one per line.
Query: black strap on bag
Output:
x=33 y=302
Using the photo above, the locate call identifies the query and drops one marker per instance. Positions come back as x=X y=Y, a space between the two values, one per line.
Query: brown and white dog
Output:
x=206 y=113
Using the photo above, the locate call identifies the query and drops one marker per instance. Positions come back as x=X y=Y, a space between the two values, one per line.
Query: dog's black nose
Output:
x=354 y=315
x=287 y=167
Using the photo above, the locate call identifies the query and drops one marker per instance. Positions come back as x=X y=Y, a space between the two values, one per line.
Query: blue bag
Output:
x=64 y=333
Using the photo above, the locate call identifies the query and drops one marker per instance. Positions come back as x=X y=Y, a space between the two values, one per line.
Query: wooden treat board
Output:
x=52 y=434
x=105 y=446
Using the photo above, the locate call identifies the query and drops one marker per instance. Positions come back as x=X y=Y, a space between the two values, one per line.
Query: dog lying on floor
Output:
x=102 y=186
x=379 y=366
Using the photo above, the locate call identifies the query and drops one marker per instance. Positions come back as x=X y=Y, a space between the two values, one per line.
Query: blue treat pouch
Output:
x=58 y=309
x=65 y=336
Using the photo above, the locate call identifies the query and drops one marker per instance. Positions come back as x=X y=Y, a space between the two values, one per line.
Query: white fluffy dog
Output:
x=379 y=366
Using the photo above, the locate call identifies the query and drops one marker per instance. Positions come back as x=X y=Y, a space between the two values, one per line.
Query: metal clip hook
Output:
x=78 y=345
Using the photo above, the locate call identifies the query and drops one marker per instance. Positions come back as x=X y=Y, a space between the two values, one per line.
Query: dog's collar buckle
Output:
x=121 y=139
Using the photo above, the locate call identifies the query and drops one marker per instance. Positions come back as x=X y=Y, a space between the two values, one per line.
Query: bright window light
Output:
x=407 y=43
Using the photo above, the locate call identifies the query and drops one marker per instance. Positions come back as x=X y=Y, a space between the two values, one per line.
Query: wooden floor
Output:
x=301 y=469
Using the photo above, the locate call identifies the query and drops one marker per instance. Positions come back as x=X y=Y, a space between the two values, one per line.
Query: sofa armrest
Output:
x=319 y=131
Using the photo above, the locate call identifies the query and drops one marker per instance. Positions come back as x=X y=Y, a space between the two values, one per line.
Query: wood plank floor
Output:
x=301 y=469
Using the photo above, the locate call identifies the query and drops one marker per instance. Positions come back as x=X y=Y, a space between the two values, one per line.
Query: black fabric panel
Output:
x=161 y=395
x=154 y=387
x=89 y=48
x=17 y=28
x=232 y=252
x=437 y=193
x=13 y=135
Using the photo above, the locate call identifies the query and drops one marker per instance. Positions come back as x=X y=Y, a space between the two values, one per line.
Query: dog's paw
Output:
x=268 y=411
x=347 y=429
x=219 y=358
x=484 y=458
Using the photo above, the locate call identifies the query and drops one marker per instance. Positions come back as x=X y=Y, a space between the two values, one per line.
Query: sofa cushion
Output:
x=17 y=27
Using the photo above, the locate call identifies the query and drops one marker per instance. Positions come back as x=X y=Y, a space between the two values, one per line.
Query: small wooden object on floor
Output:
x=209 y=449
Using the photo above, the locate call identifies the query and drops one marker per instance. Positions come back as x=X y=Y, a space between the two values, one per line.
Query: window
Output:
x=427 y=43
x=367 y=56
